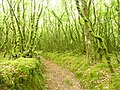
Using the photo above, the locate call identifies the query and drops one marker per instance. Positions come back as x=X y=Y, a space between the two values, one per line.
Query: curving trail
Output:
x=59 y=78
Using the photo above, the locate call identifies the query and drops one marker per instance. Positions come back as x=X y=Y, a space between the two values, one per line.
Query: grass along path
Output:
x=94 y=77
x=59 y=78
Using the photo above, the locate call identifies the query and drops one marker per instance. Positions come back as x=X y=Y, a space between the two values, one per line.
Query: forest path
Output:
x=59 y=78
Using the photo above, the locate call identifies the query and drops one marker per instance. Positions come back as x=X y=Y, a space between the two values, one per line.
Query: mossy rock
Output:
x=21 y=74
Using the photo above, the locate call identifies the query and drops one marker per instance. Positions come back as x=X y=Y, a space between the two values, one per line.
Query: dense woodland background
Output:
x=85 y=28
x=90 y=27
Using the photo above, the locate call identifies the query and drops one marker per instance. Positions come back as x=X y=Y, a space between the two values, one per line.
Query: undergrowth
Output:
x=94 y=77
x=21 y=74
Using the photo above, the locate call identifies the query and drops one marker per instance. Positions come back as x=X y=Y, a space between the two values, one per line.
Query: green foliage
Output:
x=94 y=77
x=22 y=73
x=34 y=25
x=29 y=25
x=24 y=27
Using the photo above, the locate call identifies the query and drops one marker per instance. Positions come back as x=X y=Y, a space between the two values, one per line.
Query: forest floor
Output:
x=59 y=78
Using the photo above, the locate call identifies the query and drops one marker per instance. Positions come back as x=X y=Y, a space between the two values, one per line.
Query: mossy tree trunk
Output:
x=90 y=35
x=15 y=24
x=83 y=11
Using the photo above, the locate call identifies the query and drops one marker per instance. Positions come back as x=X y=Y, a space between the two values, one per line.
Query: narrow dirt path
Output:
x=59 y=78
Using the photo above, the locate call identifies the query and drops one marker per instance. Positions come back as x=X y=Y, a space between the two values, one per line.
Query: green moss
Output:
x=21 y=74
